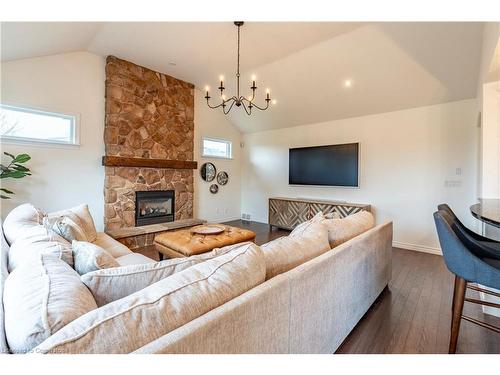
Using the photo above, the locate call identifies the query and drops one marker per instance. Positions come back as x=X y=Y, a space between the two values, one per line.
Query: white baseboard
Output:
x=414 y=247
x=221 y=219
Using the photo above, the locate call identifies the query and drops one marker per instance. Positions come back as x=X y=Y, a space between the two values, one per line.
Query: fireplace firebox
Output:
x=153 y=207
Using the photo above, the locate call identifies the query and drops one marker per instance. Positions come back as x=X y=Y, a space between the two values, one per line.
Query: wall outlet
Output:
x=245 y=217
x=453 y=183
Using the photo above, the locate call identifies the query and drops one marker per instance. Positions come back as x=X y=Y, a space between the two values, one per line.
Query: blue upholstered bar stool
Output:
x=481 y=246
x=471 y=262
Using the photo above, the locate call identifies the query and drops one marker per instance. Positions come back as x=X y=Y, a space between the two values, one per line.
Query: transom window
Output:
x=217 y=148
x=32 y=125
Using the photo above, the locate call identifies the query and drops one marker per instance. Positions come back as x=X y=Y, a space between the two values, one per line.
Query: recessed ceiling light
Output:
x=172 y=63
x=347 y=83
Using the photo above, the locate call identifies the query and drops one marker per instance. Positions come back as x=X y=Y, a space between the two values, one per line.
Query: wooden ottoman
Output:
x=184 y=243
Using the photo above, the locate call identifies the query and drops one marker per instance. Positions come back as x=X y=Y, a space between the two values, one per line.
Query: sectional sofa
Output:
x=292 y=295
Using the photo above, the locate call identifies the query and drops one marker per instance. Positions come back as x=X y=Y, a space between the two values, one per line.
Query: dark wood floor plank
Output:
x=428 y=337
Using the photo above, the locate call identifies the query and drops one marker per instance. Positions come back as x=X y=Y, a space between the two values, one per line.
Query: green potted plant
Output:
x=15 y=169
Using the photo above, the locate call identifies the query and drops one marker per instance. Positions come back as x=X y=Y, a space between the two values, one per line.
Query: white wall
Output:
x=66 y=176
x=491 y=37
x=405 y=158
x=491 y=141
x=226 y=204
x=62 y=176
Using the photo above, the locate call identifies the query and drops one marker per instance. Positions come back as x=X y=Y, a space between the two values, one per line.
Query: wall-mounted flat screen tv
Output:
x=334 y=165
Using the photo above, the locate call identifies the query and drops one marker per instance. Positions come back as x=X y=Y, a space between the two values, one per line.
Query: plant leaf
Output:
x=20 y=167
x=13 y=174
x=6 y=191
x=4 y=196
x=12 y=156
x=21 y=158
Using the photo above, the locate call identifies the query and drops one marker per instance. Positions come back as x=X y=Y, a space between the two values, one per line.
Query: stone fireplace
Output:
x=149 y=136
x=153 y=207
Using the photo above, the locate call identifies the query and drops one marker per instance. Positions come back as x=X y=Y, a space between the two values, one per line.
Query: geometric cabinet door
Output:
x=287 y=213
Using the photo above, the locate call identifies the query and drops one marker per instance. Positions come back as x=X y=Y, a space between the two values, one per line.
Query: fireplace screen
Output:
x=153 y=207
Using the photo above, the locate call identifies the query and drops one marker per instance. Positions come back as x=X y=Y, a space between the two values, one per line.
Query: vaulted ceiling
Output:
x=391 y=66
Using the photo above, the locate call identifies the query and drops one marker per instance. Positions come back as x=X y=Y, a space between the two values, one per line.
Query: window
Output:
x=217 y=148
x=31 y=125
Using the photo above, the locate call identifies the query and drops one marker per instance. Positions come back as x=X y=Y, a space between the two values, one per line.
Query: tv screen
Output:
x=334 y=165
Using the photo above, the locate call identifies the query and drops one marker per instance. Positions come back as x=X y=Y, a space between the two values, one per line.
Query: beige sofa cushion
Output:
x=37 y=241
x=39 y=299
x=19 y=220
x=303 y=227
x=131 y=322
x=89 y=257
x=111 y=284
x=133 y=259
x=112 y=246
x=81 y=216
x=286 y=253
x=342 y=230
x=4 y=260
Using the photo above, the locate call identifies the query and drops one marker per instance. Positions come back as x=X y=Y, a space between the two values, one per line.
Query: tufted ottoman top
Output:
x=187 y=243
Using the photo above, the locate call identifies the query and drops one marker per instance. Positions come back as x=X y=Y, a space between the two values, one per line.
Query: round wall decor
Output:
x=214 y=188
x=222 y=178
x=208 y=172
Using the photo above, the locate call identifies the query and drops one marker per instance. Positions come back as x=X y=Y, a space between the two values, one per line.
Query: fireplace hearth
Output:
x=153 y=207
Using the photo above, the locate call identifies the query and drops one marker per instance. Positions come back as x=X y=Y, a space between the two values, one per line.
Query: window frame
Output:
x=226 y=141
x=73 y=117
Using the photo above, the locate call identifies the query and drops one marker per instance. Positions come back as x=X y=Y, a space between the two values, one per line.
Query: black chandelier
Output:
x=238 y=100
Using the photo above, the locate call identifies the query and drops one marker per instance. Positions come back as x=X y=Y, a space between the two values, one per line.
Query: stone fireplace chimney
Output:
x=149 y=119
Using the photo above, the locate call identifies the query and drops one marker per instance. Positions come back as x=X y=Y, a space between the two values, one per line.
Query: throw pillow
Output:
x=81 y=216
x=333 y=215
x=342 y=230
x=39 y=241
x=19 y=220
x=40 y=298
x=111 y=284
x=286 y=253
x=65 y=227
x=131 y=322
x=89 y=257
x=301 y=228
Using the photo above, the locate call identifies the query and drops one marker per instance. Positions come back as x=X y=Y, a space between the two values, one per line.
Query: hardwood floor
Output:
x=413 y=315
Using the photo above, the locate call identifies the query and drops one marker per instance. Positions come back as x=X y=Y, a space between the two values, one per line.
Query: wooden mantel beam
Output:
x=118 y=161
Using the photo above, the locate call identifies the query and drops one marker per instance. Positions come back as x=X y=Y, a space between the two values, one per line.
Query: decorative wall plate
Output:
x=214 y=188
x=208 y=229
x=222 y=178
x=208 y=172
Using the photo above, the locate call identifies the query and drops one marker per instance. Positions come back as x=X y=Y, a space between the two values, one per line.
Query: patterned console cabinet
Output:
x=287 y=213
